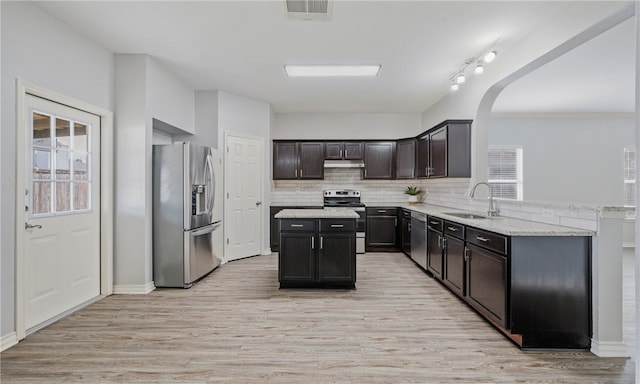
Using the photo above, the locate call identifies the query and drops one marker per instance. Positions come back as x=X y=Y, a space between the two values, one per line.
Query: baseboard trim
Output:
x=133 y=289
x=266 y=251
x=8 y=341
x=609 y=348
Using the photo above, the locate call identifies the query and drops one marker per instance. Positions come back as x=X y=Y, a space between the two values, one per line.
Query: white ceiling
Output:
x=241 y=46
x=596 y=77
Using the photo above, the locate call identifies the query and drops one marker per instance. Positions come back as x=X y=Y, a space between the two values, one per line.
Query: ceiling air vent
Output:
x=308 y=9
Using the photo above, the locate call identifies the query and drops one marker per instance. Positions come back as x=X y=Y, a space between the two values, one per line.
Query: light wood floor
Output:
x=236 y=326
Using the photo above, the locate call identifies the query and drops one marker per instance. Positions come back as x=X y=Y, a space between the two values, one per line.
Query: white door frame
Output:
x=106 y=191
x=226 y=172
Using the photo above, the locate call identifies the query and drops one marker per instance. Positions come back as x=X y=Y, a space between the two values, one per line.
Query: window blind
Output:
x=505 y=172
x=629 y=178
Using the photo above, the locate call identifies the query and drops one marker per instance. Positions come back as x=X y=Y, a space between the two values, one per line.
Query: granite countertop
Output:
x=503 y=225
x=297 y=204
x=339 y=213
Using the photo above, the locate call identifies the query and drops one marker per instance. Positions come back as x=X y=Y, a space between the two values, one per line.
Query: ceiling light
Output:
x=331 y=70
x=490 y=56
x=483 y=57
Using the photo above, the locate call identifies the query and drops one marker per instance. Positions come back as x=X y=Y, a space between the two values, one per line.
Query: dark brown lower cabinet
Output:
x=335 y=263
x=317 y=253
x=299 y=263
x=454 y=272
x=382 y=229
x=435 y=249
x=487 y=283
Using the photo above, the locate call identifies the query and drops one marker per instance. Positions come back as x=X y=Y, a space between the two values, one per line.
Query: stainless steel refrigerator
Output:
x=187 y=213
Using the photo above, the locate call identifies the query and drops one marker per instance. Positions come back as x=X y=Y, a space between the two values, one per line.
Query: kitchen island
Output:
x=317 y=248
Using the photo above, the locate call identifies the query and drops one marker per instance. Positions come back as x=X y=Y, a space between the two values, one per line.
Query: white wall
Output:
x=569 y=159
x=345 y=126
x=144 y=91
x=39 y=49
x=245 y=116
x=169 y=98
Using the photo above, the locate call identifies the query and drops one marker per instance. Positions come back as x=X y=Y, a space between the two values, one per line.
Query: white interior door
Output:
x=243 y=203
x=62 y=210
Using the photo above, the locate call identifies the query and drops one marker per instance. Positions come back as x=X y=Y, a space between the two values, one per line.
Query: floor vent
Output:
x=308 y=9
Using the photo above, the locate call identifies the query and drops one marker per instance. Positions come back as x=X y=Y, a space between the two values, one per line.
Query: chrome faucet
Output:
x=493 y=211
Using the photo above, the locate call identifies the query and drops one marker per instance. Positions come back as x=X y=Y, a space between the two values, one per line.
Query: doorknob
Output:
x=258 y=203
x=29 y=226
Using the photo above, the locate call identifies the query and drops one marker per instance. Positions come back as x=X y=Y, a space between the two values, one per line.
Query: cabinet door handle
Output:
x=320 y=242
x=467 y=254
x=452 y=229
x=297 y=225
x=341 y=153
x=483 y=239
x=409 y=226
x=313 y=245
x=433 y=222
x=301 y=173
x=296 y=173
x=346 y=153
x=444 y=243
x=382 y=211
x=337 y=225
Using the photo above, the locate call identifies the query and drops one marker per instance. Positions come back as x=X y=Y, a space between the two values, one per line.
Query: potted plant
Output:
x=413 y=193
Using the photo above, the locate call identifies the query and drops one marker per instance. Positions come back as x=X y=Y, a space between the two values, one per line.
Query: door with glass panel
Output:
x=61 y=215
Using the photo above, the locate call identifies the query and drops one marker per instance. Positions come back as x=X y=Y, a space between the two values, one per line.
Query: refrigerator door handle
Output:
x=204 y=230
x=211 y=185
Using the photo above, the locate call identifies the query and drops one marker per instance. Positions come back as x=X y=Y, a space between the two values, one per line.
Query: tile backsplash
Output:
x=444 y=192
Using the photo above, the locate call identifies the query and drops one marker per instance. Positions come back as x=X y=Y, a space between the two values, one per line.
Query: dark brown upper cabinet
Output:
x=343 y=150
x=298 y=160
x=406 y=159
x=445 y=150
x=379 y=160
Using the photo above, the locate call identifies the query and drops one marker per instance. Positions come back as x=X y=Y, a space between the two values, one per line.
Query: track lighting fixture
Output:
x=490 y=56
x=485 y=56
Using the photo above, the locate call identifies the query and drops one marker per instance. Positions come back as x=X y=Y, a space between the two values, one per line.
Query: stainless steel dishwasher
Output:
x=419 y=238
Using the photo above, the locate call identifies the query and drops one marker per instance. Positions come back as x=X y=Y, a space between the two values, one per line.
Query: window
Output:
x=60 y=179
x=505 y=172
x=629 y=178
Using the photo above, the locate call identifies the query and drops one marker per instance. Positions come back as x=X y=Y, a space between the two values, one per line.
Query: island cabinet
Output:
x=298 y=160
x=344 y=150
x=379 y=160
x=274 y=230
x=317 y=253
x=535 y=289
x=382 y=229
x=445 y=150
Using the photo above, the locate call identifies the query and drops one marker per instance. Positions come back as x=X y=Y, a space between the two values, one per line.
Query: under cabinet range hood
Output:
x=343 y=164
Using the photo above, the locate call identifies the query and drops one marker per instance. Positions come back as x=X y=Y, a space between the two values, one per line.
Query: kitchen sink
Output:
x=465 y=215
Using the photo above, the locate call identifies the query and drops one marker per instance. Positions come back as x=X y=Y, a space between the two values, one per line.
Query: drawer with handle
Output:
x=435 y=223
x=489 y=240
x=295 y=225
x=337 y=225
x=382 y=211
x=454 y=229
